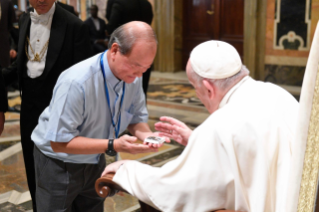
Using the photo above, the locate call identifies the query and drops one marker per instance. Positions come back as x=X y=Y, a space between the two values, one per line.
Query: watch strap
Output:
x=110 y=149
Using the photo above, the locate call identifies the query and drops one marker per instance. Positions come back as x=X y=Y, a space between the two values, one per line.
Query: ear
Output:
x=210 y=88
x=114 y=50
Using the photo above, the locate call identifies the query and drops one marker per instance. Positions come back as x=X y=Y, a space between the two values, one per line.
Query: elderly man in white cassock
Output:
x=238 y=158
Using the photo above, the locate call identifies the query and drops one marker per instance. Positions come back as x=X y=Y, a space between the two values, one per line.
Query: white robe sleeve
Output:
x=238 y=159
x=197 y=180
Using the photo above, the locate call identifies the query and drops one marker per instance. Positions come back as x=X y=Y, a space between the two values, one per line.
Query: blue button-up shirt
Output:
x=79 y=108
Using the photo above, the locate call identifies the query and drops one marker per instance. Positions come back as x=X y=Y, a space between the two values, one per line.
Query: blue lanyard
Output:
x=116 y=128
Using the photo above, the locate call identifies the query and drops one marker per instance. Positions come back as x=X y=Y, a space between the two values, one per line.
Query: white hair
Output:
x=222 y=84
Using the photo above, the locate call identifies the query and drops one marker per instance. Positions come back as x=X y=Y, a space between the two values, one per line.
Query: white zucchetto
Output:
x=215 y=60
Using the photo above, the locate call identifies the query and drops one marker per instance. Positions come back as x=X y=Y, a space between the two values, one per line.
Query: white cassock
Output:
x=239 y=158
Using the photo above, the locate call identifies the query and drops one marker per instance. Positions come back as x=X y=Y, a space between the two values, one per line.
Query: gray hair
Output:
x=222 y=84
x=127 y=35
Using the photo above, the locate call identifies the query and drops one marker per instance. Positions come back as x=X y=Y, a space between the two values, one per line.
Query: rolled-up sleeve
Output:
x=66 y=115
x=138 y=108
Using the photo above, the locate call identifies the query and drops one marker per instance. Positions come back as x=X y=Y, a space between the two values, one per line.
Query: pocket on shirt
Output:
x=125 y=120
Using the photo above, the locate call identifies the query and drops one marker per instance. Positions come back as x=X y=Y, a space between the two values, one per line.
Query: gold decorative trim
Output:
x=308 y=189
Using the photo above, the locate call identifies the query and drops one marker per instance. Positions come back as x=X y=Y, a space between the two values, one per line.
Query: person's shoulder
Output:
x=66 y=6
x=82 y=71
x=67 y=16
x=273 y=89
x=101 y=20
x=87 y=21
x=24 y=15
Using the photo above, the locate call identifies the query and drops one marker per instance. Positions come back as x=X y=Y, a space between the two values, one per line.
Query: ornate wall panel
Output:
x=292 y=24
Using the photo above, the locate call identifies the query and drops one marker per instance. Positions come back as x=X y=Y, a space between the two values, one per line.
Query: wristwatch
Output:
x=110 y=149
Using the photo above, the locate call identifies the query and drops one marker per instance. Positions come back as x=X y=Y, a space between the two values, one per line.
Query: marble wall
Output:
x=290 y=26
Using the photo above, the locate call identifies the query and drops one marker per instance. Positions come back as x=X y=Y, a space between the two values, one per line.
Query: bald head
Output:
x=129 y=34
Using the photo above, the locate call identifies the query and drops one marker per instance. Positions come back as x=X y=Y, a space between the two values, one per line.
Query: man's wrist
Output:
x=110 y=149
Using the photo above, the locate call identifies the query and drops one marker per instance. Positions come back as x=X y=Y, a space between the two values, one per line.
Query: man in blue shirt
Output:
x=93 y=102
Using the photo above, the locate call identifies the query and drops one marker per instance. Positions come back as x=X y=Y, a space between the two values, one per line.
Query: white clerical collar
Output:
x=43 y=18
x=231 y=91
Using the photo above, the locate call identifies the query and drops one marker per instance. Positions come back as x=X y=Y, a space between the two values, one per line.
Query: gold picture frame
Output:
x=303 y=182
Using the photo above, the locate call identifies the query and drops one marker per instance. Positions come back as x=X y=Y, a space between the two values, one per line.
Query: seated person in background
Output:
x=97 y=31
x=238 y=159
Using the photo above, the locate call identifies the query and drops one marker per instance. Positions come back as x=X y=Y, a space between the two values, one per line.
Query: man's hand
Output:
x=2 y=119
x=142 y=131
x=113 y=167
x=126 y=144
x=174 y=129
x=13 y=53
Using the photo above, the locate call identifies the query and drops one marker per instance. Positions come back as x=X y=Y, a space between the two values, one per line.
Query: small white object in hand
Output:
x=154 y=140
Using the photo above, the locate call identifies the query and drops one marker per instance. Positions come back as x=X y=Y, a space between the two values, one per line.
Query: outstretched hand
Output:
x=127 y=144
x=173 y=129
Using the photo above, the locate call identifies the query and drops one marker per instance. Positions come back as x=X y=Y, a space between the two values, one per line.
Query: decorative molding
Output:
x=291 y=35
x=289 y=61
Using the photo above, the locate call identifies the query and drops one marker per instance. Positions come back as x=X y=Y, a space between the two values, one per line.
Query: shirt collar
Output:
x=231 y=91
x=44 y=17
x=115 y=83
